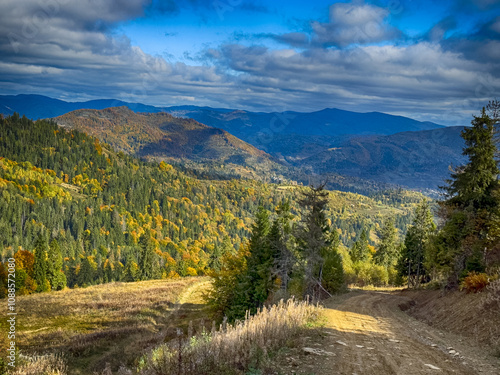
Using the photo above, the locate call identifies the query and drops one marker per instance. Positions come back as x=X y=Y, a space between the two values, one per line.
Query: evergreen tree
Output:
x=148 y=260
x=40 y=265
x=471 y=208
x=411 y=263
x=216 y=259
x=86 y=275
x=388 y=251
x=333 y=272
x=472 y=185
x=55 y=276
x=314 y=240
x=259 y=262
x=280 y=242
x=131 y=272
x=360 y=251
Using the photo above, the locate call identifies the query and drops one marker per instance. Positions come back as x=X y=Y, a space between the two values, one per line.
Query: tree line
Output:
x=65 y=189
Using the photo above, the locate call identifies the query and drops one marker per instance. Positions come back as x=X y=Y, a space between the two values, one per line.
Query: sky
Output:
x=431 y=60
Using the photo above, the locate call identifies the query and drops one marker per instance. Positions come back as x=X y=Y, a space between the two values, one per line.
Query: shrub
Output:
x=190 y=271
x=234 y=349
x=475 y=282
x=379 y=275
x=363 y=273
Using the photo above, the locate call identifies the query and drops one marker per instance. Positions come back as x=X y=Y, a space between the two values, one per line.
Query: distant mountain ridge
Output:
x=242 y=124
x=371 y=146
x=39 y=106
x=258 y=127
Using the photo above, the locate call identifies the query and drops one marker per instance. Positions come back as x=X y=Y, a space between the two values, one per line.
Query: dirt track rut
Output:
x=367 y=333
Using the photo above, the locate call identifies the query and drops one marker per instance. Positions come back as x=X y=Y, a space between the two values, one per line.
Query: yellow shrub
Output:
x=191 y=271
x=475 y=282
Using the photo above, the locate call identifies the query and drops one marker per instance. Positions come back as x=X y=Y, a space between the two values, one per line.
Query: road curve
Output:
x=367 y=333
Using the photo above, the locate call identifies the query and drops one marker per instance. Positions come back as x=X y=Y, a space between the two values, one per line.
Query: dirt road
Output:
x=367 y=333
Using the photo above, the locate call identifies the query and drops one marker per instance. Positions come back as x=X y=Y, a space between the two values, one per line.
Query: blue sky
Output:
x=429 y=60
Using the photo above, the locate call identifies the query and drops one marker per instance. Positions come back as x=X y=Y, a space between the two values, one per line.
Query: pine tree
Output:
x=88 y=268
x=388 y=251
x=314 y=240
x=473 y=184
x=411 y=263
x=259 y=262
x=333 y=271
x=215 y=262
x=280 y=242
x=131 y=272
x=40 y=265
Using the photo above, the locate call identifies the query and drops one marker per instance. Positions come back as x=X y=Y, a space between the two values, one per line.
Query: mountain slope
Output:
x=415 y=159
x=162 y=136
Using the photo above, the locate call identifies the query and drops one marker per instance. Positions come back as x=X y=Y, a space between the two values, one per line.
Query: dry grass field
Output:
x=107 y=325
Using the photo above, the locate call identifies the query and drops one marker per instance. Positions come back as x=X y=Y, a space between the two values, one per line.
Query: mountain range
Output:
x=371 y=146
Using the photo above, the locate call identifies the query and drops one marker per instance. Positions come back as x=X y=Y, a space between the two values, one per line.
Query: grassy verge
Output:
x=233 y=349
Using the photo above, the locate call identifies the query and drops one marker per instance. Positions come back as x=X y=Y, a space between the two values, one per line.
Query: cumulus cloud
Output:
x=353 y=23
x=63 y=47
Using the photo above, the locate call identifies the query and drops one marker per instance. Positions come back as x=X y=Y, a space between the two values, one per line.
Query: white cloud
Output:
x=353 y=23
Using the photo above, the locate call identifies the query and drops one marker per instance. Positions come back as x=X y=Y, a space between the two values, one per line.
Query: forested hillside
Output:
x=108 y=216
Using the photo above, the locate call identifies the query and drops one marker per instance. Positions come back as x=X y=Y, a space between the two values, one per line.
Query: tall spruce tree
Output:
x=472 y=185
x=411 y=263
x=314 y=240
x=56 y=277
x=40 y=264
x=259 y=262
x=86 y=275
x=333 y=270
x=360 y=251
x=148 y=262
x=280 y=242
x=471 y=207
x=388 y=251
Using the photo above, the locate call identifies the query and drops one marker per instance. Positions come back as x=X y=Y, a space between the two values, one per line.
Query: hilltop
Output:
x=160 y=135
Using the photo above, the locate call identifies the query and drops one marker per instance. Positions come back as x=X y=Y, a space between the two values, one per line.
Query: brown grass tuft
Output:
x=40 y=365
x=234 y=348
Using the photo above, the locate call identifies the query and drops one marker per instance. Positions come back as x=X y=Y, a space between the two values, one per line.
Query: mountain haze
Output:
x=415 y=159
x=242 y=124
